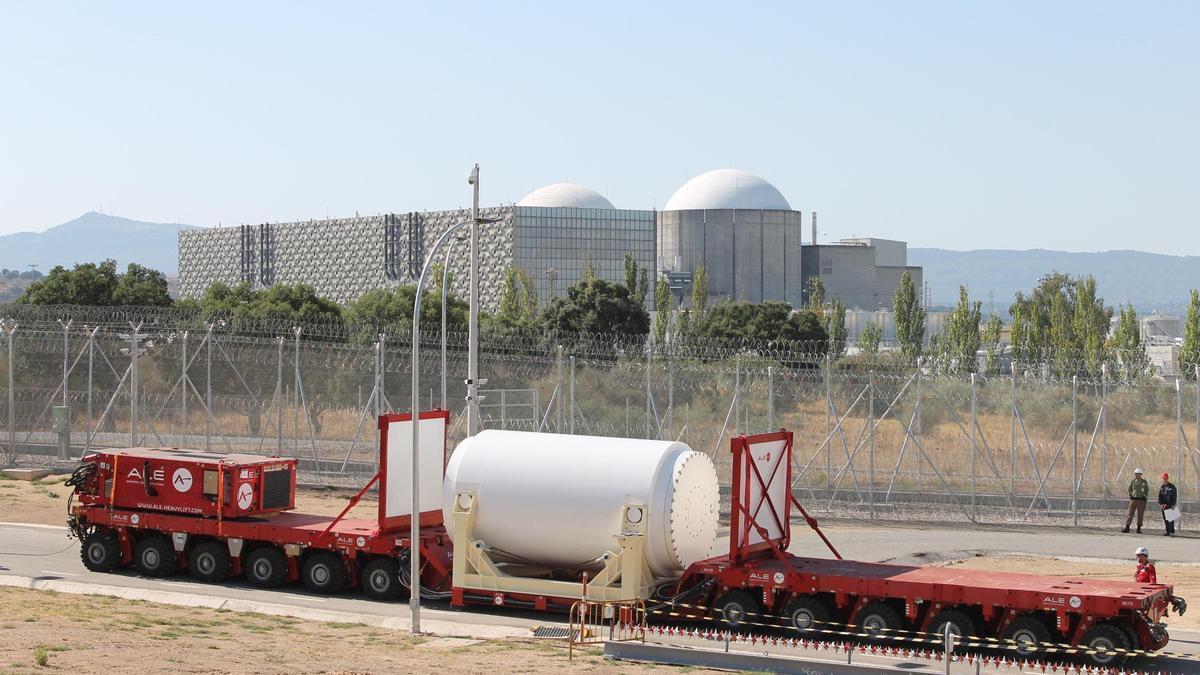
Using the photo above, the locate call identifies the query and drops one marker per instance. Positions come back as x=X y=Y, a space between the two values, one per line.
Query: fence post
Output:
x=770 y=398
x=1075 y=449
x=871 y=452
x=133 y=383
x=184 y=394
x=503 y=412
x=66 y=326
x=974 y=451
x=279 y=393
x=208 y=418
x=828 y=429
x=1104 y=435
x=558 y=388
x=571 y=402
x=87 y=441
x=1179 y=432
x=917 y=413
x=12 y=411
x=737 y=390
x=1012 y=431
x=649 y=414
x=670 y=399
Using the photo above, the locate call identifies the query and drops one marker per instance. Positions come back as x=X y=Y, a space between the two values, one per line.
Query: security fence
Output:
x=875 y=437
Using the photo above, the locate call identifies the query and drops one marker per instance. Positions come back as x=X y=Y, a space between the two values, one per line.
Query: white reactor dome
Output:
x=567 y=195
x=727 y=189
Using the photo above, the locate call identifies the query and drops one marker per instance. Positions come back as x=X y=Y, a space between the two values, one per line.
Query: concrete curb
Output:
x=431 y=626
x=743 y=661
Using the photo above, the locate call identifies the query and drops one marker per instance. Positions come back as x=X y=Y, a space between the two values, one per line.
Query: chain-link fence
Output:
x=874 y=438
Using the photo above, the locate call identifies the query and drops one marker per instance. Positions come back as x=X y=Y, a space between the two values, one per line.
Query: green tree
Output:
x=518 y=301
x=699 y=295
x=910 y=318
x=834 y=324
x=991 y=343
x=1125 y=345
x=869 y=339
x=99 y=285
x=1063 y=322
x=958 y=345
x=596 y=306
x=1189 y=354
x=389 y=311
x=816 y=296
x=771 y=320
x=664 y=304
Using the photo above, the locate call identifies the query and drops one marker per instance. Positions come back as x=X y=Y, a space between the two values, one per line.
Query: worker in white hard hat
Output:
x=1139 y=489
x=1145 y=573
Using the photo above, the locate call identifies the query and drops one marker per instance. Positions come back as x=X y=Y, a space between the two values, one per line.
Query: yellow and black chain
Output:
x=903 y=635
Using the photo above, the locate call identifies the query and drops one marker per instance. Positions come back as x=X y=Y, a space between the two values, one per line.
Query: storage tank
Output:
x=556 y=500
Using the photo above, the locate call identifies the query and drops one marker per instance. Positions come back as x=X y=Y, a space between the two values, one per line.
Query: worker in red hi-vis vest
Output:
x=1145 y=574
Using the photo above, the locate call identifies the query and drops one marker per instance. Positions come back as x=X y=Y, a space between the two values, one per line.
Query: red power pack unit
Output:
x=194 y=482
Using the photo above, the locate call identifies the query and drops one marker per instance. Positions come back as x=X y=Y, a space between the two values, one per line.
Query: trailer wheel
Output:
x=879 y=617
x=738 y=607
x=808 y=613
x=1104 y=643
x=1028 y=632
x=154 y=556
x=101 y=552
x=381 y=579
x=324 y=572
x=209 y=561
x=266 y=567
x=960 y=623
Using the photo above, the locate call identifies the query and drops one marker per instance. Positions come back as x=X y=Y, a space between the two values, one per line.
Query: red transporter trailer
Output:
x=759 y=582
x=164 y=509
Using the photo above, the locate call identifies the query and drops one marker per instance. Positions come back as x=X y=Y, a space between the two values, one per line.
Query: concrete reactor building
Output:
x=735 y=224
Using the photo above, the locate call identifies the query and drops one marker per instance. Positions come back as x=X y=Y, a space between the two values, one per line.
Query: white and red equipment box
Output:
x=193 y=482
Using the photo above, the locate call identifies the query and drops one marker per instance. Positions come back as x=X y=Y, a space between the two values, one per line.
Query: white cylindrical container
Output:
x=557 y=500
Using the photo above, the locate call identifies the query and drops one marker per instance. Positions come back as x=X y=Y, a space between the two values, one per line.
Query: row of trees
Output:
x=1062 y=324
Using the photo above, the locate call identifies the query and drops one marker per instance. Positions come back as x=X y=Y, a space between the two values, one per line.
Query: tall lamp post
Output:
x=473 y=317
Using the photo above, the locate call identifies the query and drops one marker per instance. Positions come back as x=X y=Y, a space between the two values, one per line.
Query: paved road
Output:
x=42 y=553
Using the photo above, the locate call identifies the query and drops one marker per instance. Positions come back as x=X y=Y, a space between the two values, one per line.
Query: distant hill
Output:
x=93 y=237
x=1150 y=281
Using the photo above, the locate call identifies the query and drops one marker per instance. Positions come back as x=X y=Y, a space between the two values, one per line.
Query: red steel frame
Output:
x=1076 y=604
x=427 y=517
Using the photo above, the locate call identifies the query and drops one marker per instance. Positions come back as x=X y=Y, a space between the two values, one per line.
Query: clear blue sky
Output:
x=961 y=125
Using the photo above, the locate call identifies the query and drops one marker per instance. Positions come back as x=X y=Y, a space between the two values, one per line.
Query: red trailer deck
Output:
x=759 y=581
x=160 y=530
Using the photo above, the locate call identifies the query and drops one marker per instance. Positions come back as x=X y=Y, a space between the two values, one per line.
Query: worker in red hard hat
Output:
x=1145 y=573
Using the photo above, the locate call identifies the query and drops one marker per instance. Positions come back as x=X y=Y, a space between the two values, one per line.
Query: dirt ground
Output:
x=45 y=501
x=1185 y=579
x=94 y=634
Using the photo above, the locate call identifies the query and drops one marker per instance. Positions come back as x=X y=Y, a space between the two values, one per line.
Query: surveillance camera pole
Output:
x=473 y=320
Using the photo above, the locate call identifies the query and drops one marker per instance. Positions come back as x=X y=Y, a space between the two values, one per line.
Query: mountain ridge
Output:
x=93 y=237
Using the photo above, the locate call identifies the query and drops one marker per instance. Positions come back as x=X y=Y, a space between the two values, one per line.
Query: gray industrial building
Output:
x=864 y=273
x=741 y=229
x=552 y=234
x=737 y=225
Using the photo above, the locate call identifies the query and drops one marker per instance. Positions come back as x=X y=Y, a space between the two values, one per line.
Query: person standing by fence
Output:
x=1139 y=490
x=1167 y=496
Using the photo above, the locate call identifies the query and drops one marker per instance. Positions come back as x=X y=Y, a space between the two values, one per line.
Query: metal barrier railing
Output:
x=608 y=621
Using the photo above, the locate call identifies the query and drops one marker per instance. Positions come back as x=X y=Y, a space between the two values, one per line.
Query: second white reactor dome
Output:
x=727 y=189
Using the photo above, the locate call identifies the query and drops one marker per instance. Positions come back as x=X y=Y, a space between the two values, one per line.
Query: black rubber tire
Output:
x=739 y=607
x=265 y=567
x=324 y=572
x=809 y=614
x=154 y=556
x=380 y=579
x=961 y=623
x=879 y=619
x=209 y=561
x=1106 y=636
x=1029 y=631
x=101 y=551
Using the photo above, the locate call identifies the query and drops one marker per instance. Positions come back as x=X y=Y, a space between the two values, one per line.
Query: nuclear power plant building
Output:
x=739 y=227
